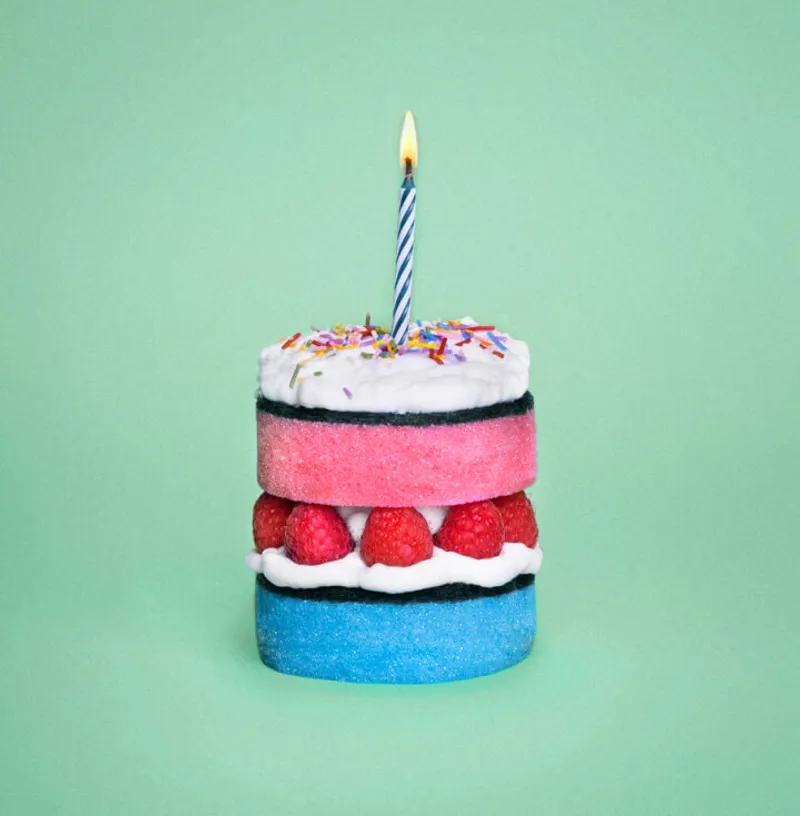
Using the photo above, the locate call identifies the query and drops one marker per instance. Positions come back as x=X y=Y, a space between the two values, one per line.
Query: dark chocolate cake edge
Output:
x=499 y=410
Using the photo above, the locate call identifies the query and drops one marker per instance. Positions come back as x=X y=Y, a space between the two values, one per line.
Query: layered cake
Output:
x=394 y=542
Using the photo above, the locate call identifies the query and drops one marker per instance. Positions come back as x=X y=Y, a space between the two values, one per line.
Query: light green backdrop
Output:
x=616 y=183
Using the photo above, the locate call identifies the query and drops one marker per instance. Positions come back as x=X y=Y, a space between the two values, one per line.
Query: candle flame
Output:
x=408 y=142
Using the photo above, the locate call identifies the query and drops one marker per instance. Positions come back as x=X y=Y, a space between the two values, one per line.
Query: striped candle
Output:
x=401 y=315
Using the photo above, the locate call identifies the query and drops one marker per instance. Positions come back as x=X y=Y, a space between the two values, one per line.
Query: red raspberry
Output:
x=269 y=521
x=519 y=520
x=474 y=529
x=397 y=536
x=316 y=534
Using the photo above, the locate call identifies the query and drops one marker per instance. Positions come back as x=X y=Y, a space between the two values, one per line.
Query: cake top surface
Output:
x=445 y=366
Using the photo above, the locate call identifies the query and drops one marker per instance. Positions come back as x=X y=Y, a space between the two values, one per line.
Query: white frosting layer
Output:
x=434 y=516
x=444 y=568
x=356 y=520
x=470 y=377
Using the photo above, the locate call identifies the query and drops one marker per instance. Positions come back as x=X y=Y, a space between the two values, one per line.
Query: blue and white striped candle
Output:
x=401 y=316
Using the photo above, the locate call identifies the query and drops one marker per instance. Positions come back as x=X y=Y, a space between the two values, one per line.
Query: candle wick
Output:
x=409 y=169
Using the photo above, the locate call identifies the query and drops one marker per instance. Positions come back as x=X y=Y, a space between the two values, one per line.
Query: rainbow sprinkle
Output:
x=441 y=341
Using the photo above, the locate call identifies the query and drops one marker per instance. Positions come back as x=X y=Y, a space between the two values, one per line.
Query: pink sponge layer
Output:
x=395 y=466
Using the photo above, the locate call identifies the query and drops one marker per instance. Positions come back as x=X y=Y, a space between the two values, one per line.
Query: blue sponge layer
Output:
x=428 y=641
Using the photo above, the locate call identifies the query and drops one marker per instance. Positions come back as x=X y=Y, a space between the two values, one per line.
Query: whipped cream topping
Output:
x=446 y=366
x=443 y=568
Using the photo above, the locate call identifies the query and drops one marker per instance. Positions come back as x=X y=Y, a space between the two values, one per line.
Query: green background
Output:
x=615 y=183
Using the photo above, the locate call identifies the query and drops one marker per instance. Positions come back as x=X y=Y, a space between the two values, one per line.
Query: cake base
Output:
x=435 y=635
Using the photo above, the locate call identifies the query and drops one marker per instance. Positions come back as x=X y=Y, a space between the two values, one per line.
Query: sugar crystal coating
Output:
x=395 y=466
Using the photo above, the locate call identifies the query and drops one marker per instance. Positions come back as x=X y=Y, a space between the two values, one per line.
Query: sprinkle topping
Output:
x=438 y=341
x=445 y=365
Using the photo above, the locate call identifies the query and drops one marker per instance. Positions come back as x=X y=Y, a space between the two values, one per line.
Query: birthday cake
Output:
x=394 y=542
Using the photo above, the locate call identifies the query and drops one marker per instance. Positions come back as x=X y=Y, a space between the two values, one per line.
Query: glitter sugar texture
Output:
x=385 y=642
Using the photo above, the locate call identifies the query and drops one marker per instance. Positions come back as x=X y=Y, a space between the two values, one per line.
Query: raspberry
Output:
x=474 y=529
x=269 y=521
x=397 y=536
x=519 y=520
x=315 y=534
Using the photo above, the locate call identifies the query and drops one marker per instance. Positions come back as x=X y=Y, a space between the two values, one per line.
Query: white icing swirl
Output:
x=443 y=568
x=406 y=383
